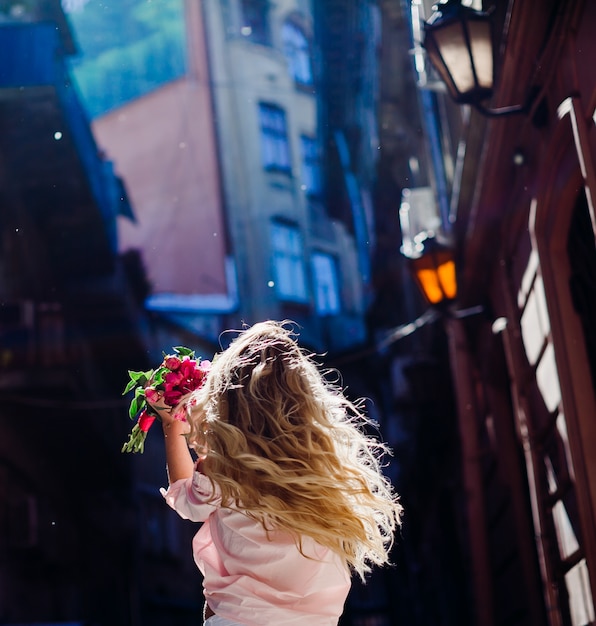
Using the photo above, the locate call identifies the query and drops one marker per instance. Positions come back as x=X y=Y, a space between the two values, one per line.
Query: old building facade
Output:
x=292 y=259
x=519 y=191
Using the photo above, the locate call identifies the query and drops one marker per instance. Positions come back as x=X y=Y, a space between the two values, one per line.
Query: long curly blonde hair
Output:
x=285 y=445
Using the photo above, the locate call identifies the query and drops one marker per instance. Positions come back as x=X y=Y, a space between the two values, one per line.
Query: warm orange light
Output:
x=447 y=278
x=437 y=282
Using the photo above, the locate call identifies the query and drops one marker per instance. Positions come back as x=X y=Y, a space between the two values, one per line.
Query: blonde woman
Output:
x=287 y=484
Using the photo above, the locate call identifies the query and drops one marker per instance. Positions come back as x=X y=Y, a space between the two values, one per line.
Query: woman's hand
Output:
x=173 y=420
x=180 y=463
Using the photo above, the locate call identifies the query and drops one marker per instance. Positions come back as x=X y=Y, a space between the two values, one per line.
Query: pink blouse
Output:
x=253 y=578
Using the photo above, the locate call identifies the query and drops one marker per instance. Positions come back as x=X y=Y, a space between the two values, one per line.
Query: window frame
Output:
x=310 y=173
x=326 y=305
x=276 y=155
x=254 y=14
x=297 y=50
x=288 y=262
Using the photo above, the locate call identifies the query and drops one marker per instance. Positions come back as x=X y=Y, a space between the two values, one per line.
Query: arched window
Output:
x=297 y=51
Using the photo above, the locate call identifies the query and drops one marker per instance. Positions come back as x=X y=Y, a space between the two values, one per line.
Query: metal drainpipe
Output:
x=467 y=411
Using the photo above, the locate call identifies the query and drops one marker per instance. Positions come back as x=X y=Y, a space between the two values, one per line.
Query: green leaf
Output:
x=131 y=385
x=183 y=351
x=136 y=404
x=139 y=376
x=137 y=379
x=158 y=377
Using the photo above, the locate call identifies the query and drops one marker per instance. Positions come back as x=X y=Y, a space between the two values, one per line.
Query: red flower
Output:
x=172 y=363
x=173 y=379
x=178 y=375
x=187 y=368
x=172 y=397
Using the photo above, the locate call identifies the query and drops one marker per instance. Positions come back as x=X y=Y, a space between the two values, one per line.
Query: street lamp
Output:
x=430 y=257
x=432 y=265
x=434 y=272
x=459 y=44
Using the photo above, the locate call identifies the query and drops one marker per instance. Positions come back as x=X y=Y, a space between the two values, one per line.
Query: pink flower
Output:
x=145 y=421
x=151 y=394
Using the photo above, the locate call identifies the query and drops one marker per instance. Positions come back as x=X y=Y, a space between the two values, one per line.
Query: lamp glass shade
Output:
x=458 y=41
x=436 y=277
x=481 y=49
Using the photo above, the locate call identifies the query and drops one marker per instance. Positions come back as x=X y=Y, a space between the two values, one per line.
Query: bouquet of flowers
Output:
x=179 y=374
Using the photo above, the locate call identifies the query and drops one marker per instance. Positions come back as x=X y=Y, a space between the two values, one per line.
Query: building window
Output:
x=311 y=166
x=275 y=149
x=288 y=262
x=297 y=51
x=326 y=284
x=255 y=21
